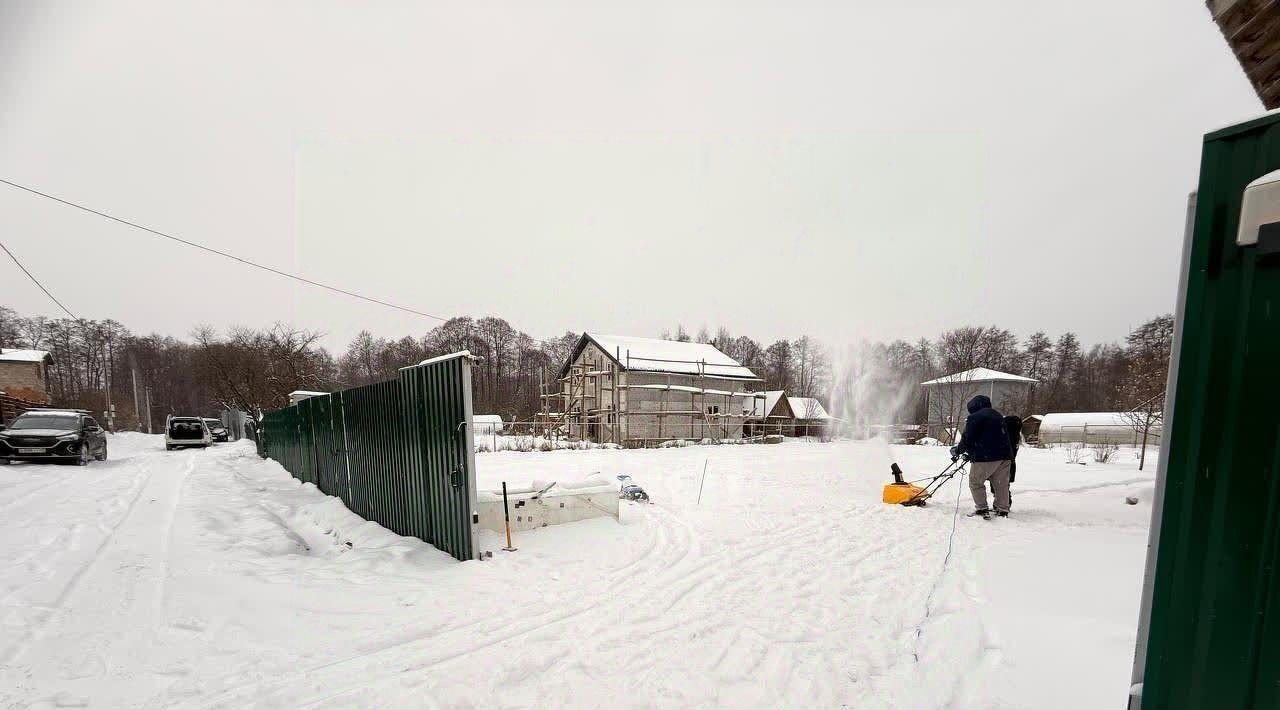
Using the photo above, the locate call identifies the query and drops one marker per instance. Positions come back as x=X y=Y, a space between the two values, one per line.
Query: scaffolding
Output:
x=590 y=402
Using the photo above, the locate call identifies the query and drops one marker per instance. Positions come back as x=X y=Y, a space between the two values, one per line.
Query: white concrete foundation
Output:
x=562 y=503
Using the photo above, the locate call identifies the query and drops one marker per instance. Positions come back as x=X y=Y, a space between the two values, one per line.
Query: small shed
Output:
x=777 y=413
x=947 y=397
x=1031 y=428
x=24 y=374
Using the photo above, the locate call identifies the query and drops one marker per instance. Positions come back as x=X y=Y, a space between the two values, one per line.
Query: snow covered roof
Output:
x=442 y=358
x=486 y=419
x=801 y=407
x=306 y=393
x=1072 y=420
x=978 y=374
x=655 y=355
x=807 y=408
x=18 y=355
x=762 y=407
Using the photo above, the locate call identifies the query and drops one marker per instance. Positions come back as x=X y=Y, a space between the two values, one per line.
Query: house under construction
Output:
x=642 y=391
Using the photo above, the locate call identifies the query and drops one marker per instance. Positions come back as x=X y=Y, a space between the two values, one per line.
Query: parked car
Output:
x=216 y=429
x=57 y=435
x=181 y=432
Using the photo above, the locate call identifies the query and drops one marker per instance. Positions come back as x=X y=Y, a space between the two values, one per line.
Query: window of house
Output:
x=713 y=409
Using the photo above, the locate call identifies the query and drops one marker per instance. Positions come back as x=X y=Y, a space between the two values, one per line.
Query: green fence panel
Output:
x=1212 y=633
x=399 y=452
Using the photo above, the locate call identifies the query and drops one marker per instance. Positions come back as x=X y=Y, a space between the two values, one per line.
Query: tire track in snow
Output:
x=835 y=563
x=74 y=582
x=31 y=493
x=116 y=602
x=166 y=541
x=728 y=582
x=781 y=640
x=364 y=669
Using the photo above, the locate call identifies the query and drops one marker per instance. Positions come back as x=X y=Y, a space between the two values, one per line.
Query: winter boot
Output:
x=1002 y=513
x=981 y=513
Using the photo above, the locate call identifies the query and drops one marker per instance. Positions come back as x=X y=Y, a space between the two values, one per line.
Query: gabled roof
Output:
x=764 y=407
x=978 y=374
x=807 y=408
x=17 y=355
x=777 y=404
x=654 y=355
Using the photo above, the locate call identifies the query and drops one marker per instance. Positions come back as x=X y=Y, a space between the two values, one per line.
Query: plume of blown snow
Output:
x=867 y=392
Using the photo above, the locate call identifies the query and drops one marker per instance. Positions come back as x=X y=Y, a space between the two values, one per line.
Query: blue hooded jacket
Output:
x=985 y=436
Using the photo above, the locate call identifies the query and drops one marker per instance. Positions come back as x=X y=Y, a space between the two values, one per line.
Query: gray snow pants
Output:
x=998 y=473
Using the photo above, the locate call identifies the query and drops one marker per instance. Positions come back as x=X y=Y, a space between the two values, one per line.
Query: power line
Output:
x=211 y=250
x=37 y=282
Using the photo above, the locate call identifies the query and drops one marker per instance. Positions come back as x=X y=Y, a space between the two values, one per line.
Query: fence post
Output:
x=346 y=453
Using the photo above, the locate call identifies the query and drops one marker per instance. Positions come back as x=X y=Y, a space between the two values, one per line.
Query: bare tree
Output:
x=255 y=371
x=1143 y=389
x=10 y=328
x=812 y=366
x=1038 y=356
x=778 y=365
x=961 y=349
x=1144 y=418
x=1066 y=367
x=748 y=352
x=947 y=403
x=360 y=365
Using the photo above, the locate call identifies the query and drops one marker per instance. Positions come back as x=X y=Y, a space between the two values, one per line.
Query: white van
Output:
x=181 y=432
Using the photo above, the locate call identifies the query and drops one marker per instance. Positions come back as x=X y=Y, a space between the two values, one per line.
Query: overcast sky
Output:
x=848 y=170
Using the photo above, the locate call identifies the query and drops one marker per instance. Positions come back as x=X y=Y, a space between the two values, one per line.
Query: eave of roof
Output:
x=1252 y=31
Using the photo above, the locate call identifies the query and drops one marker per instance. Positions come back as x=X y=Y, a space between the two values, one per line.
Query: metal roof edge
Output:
x=1244 y=126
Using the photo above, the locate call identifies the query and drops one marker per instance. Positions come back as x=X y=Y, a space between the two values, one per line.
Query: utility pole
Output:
x=147 y=392
x=133 y=371
x=110 y=413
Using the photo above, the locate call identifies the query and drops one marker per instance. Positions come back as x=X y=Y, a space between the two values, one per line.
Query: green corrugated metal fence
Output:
x=1212 y=599
x=398 y=452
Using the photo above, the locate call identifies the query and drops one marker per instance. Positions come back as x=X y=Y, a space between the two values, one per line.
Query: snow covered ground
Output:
x=212 y=579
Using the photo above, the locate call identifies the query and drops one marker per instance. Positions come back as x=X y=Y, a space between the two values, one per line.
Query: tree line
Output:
x=255 y=369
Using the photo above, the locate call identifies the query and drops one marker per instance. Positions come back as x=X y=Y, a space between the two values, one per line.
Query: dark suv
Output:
x=216 y=430
x=66 y=436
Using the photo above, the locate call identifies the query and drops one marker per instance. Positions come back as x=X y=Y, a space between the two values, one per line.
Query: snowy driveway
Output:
x=212 y=579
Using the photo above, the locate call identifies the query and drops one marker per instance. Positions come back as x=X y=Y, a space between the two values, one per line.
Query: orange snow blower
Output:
x=902 y=492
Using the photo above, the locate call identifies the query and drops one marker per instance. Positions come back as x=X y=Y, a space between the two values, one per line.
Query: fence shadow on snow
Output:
x=400 y=452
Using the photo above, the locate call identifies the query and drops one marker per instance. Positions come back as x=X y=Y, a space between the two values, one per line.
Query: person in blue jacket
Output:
x=986 y=442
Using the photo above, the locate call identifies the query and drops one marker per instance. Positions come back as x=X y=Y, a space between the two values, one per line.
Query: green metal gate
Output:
x=1209 y=636
x=399 y=452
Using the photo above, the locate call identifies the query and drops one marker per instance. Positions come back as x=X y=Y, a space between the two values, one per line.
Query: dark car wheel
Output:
x=83 y=460
x=102 y=455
